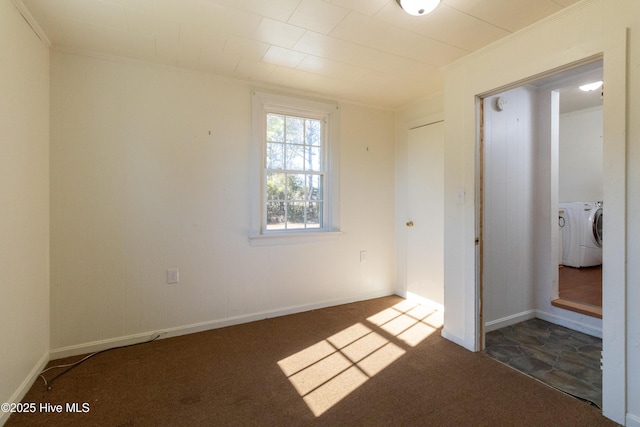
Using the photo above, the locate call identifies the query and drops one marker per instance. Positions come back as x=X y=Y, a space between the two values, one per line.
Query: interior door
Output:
x=425 y=222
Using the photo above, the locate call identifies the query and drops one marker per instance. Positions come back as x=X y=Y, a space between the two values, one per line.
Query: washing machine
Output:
x=591 y=236
x=581 y=233
x=570 y=222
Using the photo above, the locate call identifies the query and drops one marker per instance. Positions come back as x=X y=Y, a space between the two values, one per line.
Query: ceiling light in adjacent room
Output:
x=591 y=86
x=418 y=7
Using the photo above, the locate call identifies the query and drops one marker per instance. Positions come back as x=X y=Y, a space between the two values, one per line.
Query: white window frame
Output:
x=264 y=103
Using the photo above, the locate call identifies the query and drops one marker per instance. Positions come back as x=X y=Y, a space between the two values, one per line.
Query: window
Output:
x=294 y=172
x=297 y=144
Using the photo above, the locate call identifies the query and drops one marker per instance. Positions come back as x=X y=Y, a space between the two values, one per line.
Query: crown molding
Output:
x=32 y=22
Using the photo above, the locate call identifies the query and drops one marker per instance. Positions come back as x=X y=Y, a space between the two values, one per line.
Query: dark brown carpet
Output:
x=237 y=376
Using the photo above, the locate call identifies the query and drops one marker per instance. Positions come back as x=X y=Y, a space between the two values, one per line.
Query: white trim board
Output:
x=509 y=320
x=552 y=318
x=26 y=385
x=632 y=420
x=32 y=22
x=93 y=346
x=425 y=302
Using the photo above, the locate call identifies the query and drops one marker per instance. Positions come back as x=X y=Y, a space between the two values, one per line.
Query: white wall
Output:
x=24 y=211
x=508 y=233
x=151 y=170
x=580 y=164
x=588 y=29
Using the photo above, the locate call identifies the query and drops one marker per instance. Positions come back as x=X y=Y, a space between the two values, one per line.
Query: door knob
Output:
x=410 y=224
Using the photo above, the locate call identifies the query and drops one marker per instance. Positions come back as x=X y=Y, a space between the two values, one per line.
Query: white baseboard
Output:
x=425 y=302
x=447 y=334
x=509 y=320
x=90 y=347
x=26 y=385
x=569 y=323
x=632 y=420
x=576 y=325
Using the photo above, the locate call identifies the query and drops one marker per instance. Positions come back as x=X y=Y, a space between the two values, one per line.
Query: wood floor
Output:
x=580 y=290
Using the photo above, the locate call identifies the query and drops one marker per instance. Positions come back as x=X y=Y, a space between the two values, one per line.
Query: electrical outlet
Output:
x=363 y=256
x=173 y=275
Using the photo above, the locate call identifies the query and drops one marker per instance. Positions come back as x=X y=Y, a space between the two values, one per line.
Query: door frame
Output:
x=614 y=280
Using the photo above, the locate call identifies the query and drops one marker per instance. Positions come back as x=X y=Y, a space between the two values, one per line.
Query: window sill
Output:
x=288 y=238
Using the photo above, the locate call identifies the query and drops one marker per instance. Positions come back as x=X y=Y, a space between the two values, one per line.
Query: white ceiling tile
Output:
x=294 y=79
x=317 y=15
x=284 y=57
x=92 y=12
x=365 y=50
x=315 y=44
x=280 y=10
x=460 y=29
x=356 y=28
x=329 y=68
x=123 y=43
x=381 y=36
x=509 y=15
x=447 y=25
x=246 y=48
x=433 y=52
x=255 y=70
x=227 y=19
x=223 y=63
x=369 y=7
x=278 y=33
x=211 y=38
x=366 y=57
x=72 y=34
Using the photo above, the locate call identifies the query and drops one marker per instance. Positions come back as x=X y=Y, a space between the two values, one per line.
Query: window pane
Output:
x=296 y=215
x=296 y=187
x=295 y=130
x=313 y=132
x=314 y=215
x=275 y=156
x=275 y=128
x=275 y=215
x=276 y=186
x=315 y=187
x=313 y=158
x=295 y=158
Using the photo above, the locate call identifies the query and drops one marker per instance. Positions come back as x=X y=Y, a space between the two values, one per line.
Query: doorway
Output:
x=580 y=197
x=533 y=159
x=521 y=168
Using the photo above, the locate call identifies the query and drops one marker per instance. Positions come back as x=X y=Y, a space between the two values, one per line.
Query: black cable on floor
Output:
x=70 y=366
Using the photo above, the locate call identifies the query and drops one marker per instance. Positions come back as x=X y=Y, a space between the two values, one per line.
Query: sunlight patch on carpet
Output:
x=328 y=371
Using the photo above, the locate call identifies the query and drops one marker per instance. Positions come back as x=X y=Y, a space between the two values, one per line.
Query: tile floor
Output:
x=562 y=358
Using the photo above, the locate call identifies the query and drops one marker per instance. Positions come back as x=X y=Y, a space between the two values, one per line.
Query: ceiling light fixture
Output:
x=591 y=86
x=418 y=7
